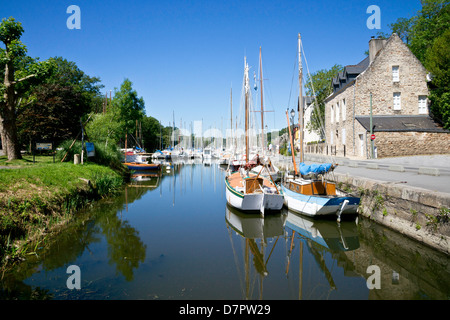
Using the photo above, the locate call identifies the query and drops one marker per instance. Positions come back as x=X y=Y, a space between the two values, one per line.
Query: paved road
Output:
x=385 y=170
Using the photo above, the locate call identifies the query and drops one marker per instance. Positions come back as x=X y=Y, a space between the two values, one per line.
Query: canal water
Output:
x=172 y=236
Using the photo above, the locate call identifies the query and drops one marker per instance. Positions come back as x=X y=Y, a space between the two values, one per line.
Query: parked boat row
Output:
x=250 y=183
x=253 y=183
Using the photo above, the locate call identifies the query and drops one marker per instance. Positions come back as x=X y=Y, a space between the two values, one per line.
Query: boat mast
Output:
x=300 y=96
x=291 y=138
x=231 y=118
x=246 y=86
x=262 y=109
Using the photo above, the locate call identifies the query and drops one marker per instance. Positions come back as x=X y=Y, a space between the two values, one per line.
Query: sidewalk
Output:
x=428 y=172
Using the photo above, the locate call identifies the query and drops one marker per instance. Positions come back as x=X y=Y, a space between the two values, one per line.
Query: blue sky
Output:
x=184 y=56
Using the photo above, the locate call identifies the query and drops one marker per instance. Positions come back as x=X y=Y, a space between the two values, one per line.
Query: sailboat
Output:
x=264 y=165
x=308 y=191
x=244 y=190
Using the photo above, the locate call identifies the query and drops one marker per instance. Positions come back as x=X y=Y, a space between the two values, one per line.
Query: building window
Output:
x=337 y=112
x=397 y=101
x=395 y=74
x=331 y=137
x=344 y=110
x=343 y=136
x=423 y=105
x=332 y=114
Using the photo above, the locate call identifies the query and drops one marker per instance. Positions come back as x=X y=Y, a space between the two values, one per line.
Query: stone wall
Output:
x=395 y=144
x=377 y=79
x=415 y=212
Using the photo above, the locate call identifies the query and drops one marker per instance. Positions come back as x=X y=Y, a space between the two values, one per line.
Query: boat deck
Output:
x=235 y=180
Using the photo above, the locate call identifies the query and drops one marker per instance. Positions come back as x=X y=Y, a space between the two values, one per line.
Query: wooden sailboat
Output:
x=246 y=191
x=308 y=192
x=264 y=165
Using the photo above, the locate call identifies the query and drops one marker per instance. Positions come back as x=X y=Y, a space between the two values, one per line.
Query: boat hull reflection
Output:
x=255 y=226
x=333 y=235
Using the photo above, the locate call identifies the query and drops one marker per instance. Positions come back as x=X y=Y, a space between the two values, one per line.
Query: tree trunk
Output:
x=9 y=115
x=2 y=136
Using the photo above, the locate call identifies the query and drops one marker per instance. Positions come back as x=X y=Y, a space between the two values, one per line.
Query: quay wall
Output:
x=414 y=212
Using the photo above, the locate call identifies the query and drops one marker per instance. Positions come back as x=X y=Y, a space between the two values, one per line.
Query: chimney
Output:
x=375 y=45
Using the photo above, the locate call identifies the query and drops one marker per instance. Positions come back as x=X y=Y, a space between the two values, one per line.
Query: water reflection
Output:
x=164 y=237
x=331 y=235
x=255 y=231
x=259 y=236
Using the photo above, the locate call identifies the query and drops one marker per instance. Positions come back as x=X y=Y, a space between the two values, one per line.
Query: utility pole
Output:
x=371 y=129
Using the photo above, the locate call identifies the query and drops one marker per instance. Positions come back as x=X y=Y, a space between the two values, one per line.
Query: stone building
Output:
x=382 y=97
x=308 y=136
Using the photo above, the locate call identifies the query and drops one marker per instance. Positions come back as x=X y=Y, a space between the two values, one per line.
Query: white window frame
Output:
x=332 y=114
x=397 y=100
x=344 y=110
x=396 y=73
x=423 y=105
x=337 y=112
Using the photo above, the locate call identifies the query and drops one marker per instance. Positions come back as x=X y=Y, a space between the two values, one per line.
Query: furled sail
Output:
x=322 y=168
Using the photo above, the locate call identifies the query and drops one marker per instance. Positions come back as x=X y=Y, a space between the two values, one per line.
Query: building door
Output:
x=361 y=145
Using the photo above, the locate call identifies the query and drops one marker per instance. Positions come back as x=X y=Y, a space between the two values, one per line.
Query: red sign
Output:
x=372 y=137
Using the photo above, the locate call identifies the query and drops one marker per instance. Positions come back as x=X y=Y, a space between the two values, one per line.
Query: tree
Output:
x=52 y=110
x=11 y=57
x=130 y=107
x=53 y=115
x=437 y=62
x=430 y=23
x=151 y=131
x=318 y=85
x=125 y=110
x=105 y=127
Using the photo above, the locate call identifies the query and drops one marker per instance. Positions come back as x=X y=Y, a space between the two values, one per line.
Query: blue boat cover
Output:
x=314 y=168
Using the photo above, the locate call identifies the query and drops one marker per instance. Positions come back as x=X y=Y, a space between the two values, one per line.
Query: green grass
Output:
x=36 y=197
x=26 y=160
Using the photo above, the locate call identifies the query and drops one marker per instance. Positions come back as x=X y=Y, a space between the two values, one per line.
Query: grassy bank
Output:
x=36 y=198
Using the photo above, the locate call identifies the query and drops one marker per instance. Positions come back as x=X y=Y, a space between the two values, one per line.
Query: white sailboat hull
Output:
x=318 y=205
x=254 y=201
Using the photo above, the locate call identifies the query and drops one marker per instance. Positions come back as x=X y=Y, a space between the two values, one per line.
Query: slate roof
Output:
x=360 y=67
x=401 y=123
x=349 y=73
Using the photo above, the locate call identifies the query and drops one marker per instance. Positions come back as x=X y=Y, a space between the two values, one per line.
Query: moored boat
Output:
x=246 y=191
x=309 y=192
x=138 y=166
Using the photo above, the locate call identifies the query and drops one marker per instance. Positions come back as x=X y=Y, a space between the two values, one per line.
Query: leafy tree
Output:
x=54 y=114
x=129 y=106
x=105 y=128
x=17 y=70
x=318 y=85
x=402 y=27
x=431 y=22
x=52 y=110
x=437 y=62
x=151 y=131
x=125 y=110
